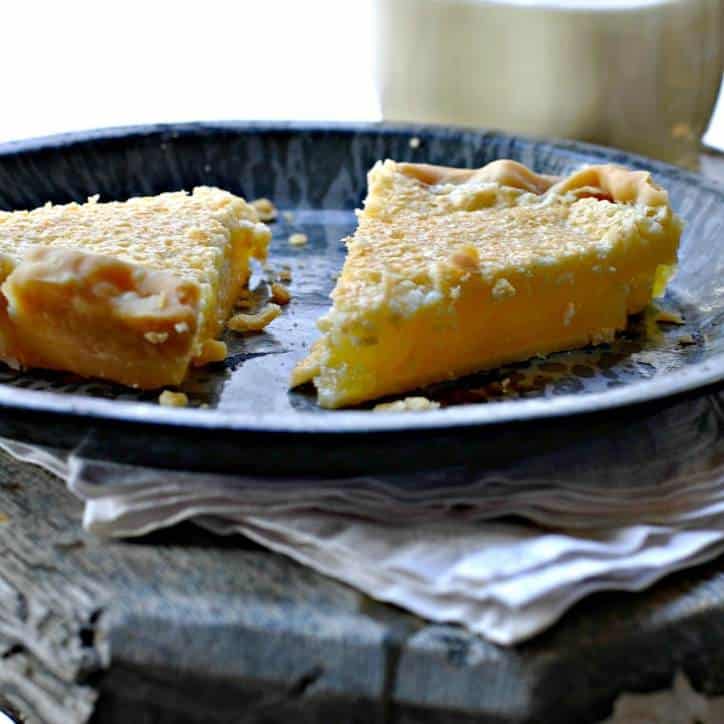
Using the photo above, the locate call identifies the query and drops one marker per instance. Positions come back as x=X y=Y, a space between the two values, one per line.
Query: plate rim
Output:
x=346 y=422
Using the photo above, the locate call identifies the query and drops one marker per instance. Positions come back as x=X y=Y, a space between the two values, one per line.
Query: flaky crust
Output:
x=616 y=183
x=504 y=172
x=608 y=181
x=97 y=316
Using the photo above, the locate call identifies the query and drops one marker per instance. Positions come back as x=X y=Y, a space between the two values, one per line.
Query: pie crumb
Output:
x=409 y=404
x=214 y=350
x=298 y=239
x=173 y=399
x=288 y=216
x=254 y=322
x=686 y=340
x=285 y=275
x=280 y=294
x=415 y=142
x=265 y=209
x=245 y=300
x=664 y=316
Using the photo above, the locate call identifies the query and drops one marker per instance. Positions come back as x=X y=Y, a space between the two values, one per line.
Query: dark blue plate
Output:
x=250 y=422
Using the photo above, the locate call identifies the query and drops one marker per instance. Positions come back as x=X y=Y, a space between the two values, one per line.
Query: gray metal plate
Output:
x=318 y=173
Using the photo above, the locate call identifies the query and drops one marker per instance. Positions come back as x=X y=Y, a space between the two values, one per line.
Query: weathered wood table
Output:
x=184 y=627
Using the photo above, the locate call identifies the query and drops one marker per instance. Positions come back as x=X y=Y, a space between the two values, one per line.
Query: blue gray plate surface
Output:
x=242 y=418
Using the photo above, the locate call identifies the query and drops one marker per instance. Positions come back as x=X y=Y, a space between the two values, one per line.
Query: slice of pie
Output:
x=133 y=292
x=452 y=271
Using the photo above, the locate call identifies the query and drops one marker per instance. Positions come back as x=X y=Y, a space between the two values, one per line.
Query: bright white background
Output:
x=75 y=64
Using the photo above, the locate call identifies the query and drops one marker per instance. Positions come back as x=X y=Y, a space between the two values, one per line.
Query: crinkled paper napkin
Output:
x=504 y=553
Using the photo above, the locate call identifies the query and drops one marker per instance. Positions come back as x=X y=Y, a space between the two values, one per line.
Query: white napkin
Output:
x=454 y=557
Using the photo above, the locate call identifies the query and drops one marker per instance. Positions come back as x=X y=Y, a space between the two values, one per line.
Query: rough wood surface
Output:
x=47 y=615
x=170 y=610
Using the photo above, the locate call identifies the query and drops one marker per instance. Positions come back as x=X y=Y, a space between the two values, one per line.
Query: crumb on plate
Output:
x=280 y=294
x=408 y=404
x=285 y=275
x=415 y=142
x=265 y=209
x=298 y=239
x=254 y=322
x=288 y=216
x=173 y=399
x=686 y=340
x=664 y=316
x=214 y=350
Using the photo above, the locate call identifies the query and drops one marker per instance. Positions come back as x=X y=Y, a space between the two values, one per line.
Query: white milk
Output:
x=637 y=74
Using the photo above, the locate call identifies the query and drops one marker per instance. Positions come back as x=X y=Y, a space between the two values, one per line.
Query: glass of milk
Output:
x=641 y=75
